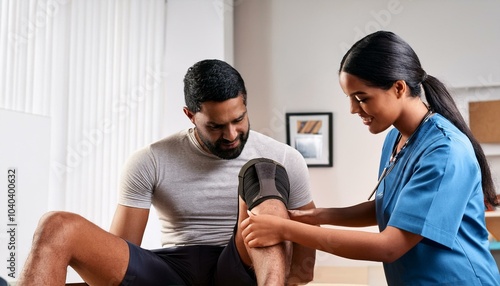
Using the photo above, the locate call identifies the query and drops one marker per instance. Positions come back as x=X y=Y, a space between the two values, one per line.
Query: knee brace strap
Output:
x=262 y=179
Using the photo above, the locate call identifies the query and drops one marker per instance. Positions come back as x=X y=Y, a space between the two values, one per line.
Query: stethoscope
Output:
x=395 y=155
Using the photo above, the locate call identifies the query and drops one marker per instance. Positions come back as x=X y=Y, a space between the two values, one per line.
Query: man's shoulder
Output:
x=265 y=144
x=260 y=137
x=162 y=146
x=171 y=139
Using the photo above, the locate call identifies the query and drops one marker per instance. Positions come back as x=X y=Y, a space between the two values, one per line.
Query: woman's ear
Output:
x=400 y=88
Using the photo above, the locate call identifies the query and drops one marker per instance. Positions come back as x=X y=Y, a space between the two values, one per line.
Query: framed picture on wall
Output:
x=311 y=135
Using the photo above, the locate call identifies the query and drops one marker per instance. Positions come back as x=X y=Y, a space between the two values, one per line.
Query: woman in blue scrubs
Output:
x=434 y=181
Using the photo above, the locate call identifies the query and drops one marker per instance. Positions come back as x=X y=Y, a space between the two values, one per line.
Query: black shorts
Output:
x=187 y=265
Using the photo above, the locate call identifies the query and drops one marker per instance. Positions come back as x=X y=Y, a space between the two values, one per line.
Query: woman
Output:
x=434 y=184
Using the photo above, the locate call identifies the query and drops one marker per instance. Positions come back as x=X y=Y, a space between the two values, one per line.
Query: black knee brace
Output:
x=262 y=179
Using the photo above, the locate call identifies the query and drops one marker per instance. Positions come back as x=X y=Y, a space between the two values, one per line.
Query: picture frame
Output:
x=311 y=133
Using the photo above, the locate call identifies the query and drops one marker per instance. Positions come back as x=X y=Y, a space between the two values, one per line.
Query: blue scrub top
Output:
x=434 y=190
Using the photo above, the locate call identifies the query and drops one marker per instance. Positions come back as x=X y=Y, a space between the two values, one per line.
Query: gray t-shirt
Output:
x=196 y=193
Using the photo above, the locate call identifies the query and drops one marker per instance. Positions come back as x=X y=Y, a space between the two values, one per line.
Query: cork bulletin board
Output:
x=484 y=120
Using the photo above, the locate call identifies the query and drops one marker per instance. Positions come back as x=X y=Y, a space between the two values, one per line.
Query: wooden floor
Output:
x=334 y=275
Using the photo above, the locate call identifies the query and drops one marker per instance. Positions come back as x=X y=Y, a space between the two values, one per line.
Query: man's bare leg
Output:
x=264 y=189
x=64 y=239
x=271 y=264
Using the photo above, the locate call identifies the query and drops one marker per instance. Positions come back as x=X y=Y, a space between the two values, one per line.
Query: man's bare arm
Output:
x=130 y=223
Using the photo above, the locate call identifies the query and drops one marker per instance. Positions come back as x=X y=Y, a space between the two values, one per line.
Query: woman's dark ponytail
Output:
x=442 y=102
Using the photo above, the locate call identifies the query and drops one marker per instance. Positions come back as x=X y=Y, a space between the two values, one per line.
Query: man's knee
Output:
x=56 y=227
x=262 y=179
x=272 y=206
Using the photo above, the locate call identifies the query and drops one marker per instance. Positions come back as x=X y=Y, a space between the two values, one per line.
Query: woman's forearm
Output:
x=360 y=215
x=344 y=243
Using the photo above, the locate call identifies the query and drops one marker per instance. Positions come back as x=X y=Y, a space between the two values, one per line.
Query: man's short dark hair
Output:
x=212 y=80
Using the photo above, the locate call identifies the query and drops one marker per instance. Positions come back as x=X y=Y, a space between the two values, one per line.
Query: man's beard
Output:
x=216 y=149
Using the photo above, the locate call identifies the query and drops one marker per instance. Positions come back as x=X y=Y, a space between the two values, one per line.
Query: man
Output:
x=192 y=178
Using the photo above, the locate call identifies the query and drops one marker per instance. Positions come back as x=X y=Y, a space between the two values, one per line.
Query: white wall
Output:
x=24 y=167
x=196 y=30
x=289 y=51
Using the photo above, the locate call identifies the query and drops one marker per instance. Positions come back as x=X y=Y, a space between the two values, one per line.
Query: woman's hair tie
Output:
x=424 y=77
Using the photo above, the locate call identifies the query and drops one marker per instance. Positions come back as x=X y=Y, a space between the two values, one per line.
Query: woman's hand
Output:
x=262 y=230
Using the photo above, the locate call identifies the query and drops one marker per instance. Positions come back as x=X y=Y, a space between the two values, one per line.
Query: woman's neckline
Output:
x=395 y=152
